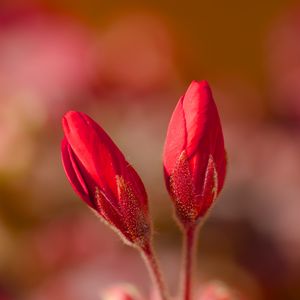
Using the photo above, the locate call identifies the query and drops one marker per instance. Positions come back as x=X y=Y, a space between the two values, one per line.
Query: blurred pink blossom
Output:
x=120 y=292
x=48 y=57
x=136 y=53
x=217 y=290
x=69 y=241
x=264 y=184
x=238 y=99
x=91 y=279
x=19 y=118
x=46 y=60
x=283 y=64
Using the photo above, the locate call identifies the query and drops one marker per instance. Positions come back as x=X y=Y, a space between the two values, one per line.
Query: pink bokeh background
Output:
x=127 y=65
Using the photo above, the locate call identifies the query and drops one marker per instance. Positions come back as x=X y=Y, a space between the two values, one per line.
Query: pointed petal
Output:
x=72 y=172
x=109 y=213
x=183 y=191
x=203 y=126
x=220 y=159
x=210 y=187
x=176 y=139
x=130 y=175
x=94 y=149
x=198 y=108
x=136 y=220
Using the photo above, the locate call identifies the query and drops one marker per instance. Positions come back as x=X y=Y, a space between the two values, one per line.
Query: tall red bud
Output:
x=101 y=176
x=194 y=155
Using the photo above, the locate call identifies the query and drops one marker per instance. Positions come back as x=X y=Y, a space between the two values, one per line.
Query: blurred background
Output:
x=126 y=63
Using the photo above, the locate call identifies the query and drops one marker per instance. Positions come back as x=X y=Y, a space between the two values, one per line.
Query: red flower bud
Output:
x=219 y=291
x=194 y=154
x=99 y=173
x=121 y=292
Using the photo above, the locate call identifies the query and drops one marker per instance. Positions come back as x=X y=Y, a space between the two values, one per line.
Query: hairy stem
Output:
x=188 y=259
x=154 y=269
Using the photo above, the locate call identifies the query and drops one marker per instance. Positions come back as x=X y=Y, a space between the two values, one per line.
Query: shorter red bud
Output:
x=101 y=176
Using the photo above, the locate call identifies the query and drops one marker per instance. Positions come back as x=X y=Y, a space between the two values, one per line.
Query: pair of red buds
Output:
x=194 y=166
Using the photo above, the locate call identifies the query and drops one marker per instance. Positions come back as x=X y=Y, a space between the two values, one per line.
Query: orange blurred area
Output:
x=126 y=64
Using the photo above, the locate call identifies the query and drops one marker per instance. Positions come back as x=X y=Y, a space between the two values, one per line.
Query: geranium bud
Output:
x=217 y=290
x=194 y=155
x=121 y=292
x=101 y=176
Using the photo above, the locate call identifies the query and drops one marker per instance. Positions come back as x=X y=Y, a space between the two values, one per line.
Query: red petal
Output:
x=220 y=160
x=210 y=186
x=203 y=127
x=200 y=115
x=195 y=127
x=73 y=173
x=109 y=213
x=134 y=216
x=183 y=191
x=176 y=139
x=95 y=150
x=130 y=175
